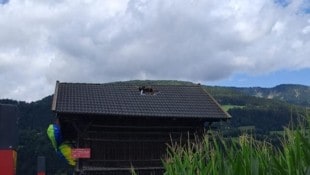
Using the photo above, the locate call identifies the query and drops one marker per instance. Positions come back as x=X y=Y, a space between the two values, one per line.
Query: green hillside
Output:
x=265 y=114
x=294 y=94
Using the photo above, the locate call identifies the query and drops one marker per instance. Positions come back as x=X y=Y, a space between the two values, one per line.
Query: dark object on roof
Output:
x=124 y=99
x=8 y=126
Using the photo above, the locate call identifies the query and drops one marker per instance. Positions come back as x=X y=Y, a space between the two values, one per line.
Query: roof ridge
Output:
x=133 y=84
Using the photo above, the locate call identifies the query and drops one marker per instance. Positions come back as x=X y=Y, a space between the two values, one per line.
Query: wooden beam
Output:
x=144 y=127
x=89 y=168
x=113 y=160
x=127 y=140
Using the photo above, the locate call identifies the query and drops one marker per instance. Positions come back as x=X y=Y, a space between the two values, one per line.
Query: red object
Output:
x=81 y=153
x=8 y=162
x=41 y=173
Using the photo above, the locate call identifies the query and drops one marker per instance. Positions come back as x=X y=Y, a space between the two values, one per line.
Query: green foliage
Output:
x=216 y=155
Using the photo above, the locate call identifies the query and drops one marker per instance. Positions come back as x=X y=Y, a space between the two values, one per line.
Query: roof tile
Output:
x=125 y=99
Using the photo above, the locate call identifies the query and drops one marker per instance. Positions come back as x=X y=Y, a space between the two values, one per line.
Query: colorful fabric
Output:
x=63 y=150
x=51 y=133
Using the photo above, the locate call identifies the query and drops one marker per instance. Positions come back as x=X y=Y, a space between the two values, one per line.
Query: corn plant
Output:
x=216 y=155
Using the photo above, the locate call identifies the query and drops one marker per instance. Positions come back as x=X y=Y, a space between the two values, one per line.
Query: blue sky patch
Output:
x=4 y=1
x=282 y=3
x=267 y=80
x=306 y=7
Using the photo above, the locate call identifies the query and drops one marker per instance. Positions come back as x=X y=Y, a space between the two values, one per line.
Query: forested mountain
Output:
x=291 y=93
x=263 y=114
x=263 y=110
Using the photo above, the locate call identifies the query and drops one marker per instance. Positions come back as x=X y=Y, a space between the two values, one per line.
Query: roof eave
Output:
x=212 y=98
x=146 y=116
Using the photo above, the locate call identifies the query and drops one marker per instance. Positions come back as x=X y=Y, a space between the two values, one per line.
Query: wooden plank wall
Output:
x=117 y=145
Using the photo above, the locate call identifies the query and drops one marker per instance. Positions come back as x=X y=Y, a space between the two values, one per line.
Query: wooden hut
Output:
x=128 y=126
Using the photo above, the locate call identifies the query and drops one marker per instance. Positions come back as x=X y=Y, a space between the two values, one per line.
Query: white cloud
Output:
x=101 y=41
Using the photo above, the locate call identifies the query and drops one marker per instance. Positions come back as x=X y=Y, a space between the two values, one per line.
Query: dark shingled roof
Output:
x=125 y=99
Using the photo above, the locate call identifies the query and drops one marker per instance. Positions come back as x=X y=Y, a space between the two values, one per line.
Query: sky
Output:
x=241 y=43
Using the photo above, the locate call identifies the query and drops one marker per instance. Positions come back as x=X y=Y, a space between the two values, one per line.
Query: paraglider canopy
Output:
x=62 y=148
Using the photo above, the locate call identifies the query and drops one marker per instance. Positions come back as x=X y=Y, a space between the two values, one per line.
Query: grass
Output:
x=216 y=155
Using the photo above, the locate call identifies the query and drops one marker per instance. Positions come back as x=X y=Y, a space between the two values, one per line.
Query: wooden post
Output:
x=41 y=165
